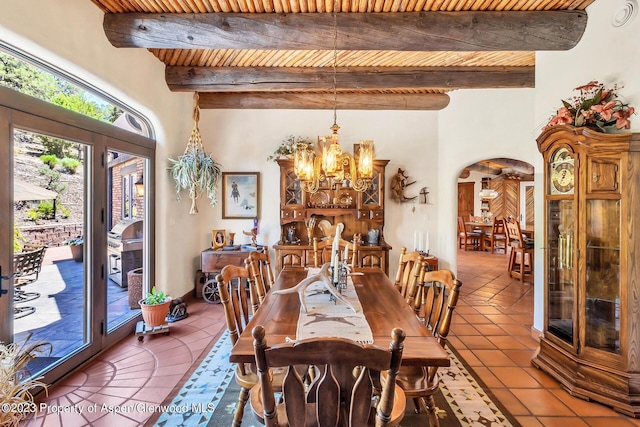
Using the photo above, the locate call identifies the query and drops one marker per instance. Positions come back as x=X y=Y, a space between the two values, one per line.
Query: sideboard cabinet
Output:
x=360 y=212
x=591 y=337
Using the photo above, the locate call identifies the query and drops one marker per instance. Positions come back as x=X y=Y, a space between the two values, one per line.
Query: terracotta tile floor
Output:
x=491 y=331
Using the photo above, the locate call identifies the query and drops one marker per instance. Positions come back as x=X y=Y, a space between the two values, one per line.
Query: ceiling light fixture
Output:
x=331 y=163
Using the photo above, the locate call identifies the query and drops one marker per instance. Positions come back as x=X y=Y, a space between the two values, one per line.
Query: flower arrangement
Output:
x=596 y=107
x=288 y=147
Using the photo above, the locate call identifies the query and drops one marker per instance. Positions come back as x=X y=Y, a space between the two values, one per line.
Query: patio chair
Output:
x=26 y=268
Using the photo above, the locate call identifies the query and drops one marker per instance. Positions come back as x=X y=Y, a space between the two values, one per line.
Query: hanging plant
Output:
x=195 y=170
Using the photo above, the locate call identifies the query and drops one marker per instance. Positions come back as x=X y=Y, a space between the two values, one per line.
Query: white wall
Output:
x=242 y=140
x=433 y=147
x=68 y=33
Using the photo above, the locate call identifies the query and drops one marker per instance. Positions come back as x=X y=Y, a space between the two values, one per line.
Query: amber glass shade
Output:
x=365 y=159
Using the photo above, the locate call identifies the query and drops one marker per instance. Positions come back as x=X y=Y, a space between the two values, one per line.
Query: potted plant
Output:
x=195 y=170
x=15 y=385
x=155 y=307
x=288 y=147
x=596 y=107
x=77 y=248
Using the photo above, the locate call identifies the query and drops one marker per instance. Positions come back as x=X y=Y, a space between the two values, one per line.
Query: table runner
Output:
x=329 y=318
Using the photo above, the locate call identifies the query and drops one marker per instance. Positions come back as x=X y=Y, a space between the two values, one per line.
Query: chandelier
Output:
x=330 y=163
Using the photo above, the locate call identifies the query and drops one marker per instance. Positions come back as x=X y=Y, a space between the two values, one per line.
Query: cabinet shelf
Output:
x=359 y=212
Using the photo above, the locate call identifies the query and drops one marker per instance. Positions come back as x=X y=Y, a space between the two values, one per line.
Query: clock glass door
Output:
x=561 y=260
x=602 y=290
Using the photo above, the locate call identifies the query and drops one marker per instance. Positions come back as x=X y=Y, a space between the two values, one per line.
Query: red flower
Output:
x=606 y=110
x=622 y=117
x=596 y=107
x=593 y=84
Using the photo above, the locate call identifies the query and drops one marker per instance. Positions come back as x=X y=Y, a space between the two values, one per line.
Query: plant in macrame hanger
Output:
x=195 y=170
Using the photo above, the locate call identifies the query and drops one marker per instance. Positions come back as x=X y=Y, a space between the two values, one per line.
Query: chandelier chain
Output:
x=335 y=61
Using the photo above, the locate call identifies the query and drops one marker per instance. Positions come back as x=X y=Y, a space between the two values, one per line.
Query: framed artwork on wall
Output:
x=240 y=195
x=218 y=238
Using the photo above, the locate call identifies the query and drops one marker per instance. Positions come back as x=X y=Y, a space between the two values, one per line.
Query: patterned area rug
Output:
x=209 y=397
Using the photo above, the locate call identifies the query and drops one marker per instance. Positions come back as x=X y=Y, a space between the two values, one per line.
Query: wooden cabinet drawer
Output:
x=213 y=261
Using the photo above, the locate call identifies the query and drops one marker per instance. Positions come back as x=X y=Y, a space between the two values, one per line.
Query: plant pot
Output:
x=77 y=252
x=154 y=315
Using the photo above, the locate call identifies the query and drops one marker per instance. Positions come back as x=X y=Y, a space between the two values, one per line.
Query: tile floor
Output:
x=491 y=331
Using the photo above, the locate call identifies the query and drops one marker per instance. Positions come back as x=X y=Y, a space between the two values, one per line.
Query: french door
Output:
x=73 y=302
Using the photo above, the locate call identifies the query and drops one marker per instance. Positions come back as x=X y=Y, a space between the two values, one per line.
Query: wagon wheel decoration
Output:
x=210 y=291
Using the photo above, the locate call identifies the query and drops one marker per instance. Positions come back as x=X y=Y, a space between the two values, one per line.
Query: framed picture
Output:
x=240 y=195
x=218 y=238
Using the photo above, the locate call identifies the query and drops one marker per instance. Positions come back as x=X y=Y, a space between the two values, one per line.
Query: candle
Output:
x=346 y=254
x=427 y=243
x=415 y=240
x=336 y=268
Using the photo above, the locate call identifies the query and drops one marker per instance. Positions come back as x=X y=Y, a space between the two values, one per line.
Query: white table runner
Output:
x=327 y=318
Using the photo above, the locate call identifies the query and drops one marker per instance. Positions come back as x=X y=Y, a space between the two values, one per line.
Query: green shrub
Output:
x=63 y=212
x=32 y=215
x=70 y=165
x=18 y=239
x=50 y=160
x=155 y=297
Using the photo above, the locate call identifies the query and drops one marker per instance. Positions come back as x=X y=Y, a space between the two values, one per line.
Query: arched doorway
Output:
x=498 y=187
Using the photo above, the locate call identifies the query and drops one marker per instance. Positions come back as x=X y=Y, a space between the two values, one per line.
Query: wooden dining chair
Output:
x=343 y=393
x=260 y=268
x=496 y=239
x=322 y=251
x=408 y=271
x=441 y=290
x=232 y=287
x=467 y=239
x=520 y=264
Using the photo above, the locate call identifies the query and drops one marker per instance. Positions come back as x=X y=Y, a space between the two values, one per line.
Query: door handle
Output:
x=4 y=291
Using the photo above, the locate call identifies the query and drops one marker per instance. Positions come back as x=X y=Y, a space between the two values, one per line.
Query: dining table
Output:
x=382 y=306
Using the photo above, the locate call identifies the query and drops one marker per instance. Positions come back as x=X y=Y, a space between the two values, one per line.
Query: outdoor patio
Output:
x=59 y=311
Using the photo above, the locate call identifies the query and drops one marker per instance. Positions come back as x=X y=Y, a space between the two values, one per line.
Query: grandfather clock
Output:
x=591 y=336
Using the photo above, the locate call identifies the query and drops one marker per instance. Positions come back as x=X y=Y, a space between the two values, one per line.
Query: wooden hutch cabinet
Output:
x=591 y=337
x=358 y=211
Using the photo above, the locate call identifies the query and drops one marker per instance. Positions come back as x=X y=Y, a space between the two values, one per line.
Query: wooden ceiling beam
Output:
x=260 y=79
x=323 y=101
x=401 y=31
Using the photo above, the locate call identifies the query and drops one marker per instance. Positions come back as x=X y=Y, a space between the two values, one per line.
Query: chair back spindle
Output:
x=337 y=397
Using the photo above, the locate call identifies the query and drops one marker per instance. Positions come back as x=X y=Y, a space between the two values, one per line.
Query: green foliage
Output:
x=50 y=160
x=155 y=297
x=196 y=172
x=45 y=210
x=70 y=165
x=53 y=179
x=56 y=147
x=63 y=212
x=28 y=79
x=18 y=239
x=32 y=215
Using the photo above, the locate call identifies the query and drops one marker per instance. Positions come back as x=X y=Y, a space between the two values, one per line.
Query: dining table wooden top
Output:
x=382 y=305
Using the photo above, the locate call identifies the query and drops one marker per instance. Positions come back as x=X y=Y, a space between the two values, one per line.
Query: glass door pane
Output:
x=560 y=259
x=603 y=275
x=50 y=244
x=125 y=239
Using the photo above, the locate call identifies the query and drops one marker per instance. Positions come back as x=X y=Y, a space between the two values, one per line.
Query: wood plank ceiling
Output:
x=391 y=54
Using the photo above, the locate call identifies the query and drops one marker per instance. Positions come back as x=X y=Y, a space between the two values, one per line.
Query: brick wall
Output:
x=51 y=235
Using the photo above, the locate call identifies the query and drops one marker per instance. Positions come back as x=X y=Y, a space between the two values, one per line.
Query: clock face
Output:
x=562 y=178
